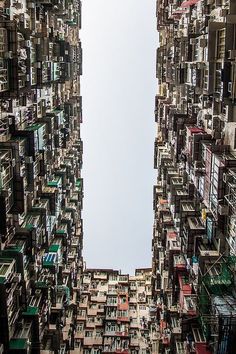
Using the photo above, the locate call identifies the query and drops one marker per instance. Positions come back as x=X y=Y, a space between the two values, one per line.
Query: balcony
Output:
x=7 y=268
x=35 y=135
x=112 y=301
x=61 y=232
x=34 y=223
x=55 y=197
x=176 y=326
x=81 y=316
x=19 y=344
x=190 y=305
x=92 y=341
x=180 y=348
x=53 y=258
x=192 y=230
x=179 y=262
x=111 y=315
x=219 y=274
x=116 y=346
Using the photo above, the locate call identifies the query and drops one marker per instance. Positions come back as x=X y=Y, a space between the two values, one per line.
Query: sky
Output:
x=118 y=86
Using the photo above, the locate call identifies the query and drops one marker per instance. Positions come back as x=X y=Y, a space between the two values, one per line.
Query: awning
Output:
x=189 y=3
x=179 y=12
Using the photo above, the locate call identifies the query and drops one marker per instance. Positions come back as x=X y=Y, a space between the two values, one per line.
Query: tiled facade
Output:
x=194 y=234
x=41 y=189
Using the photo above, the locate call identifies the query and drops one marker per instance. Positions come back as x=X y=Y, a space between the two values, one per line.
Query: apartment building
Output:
x=116 y=313
x=194 y=253
x=41 y=188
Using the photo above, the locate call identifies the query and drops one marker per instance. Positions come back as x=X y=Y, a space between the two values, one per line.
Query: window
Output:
x=88 y=333
x=221 y=44
x=98 y=334
x=80 y=327
x=112 y=300
x=142 y=307
x=81 y=313
x=110 y=327
x=92 y=306
x=90 y=319
x=123 y=300
x=122 y=313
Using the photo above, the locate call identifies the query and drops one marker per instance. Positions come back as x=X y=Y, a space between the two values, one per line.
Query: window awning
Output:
x=189 y=3
x=179 y=12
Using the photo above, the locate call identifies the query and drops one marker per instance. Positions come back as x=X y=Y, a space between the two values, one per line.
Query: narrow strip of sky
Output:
x=119 y=42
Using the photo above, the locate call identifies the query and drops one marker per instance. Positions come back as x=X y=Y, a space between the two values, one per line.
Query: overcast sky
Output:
x=119 y=41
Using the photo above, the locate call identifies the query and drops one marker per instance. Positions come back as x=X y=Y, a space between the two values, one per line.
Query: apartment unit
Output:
x=194 y=234
x=116 y=313
x=41 y=188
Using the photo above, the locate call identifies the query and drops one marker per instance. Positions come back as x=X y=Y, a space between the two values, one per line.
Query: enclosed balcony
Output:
x=6 y=187
x=192 y=230
x=52 y=258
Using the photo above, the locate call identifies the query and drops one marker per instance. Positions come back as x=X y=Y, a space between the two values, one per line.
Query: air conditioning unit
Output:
x=8 y=55
x=28 y=159
x=37 y=293
x=22 y=17
x=215 y=122
x=18 y=292
x=17 y=5
x=193 y=41
x=223 y=209
x=17 y=278
x=226 y=177
x=203 y=42
x=201 y=65
x=20 y=324
x=7 y=11
x=232 y=54
x=4 y=193
x=27 y=43
x=208 y=116
x=223 y=12
x=31 y=5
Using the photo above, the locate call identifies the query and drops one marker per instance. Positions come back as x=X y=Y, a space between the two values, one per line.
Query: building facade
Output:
x=116 y=313
x=41 y=189
x=194 y=251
